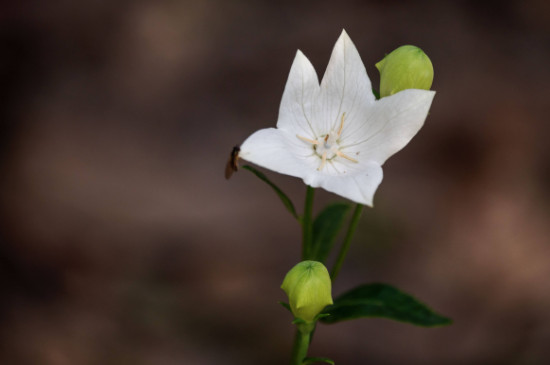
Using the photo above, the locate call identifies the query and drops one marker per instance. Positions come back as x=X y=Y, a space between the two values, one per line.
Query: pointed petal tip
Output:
x=419 y=93
x=364 y=201
x=301 y=59
x=344 y=36
x=368 y=202
x=300 y=56
x=429 y=95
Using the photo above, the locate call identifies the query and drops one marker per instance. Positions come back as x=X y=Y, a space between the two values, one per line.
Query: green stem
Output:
x=347 y=241
x=307 y=222
x=299 y=350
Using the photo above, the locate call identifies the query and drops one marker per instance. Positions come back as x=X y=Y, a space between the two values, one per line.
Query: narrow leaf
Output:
x=285 y=199
x=382 y=300
x=326 y=227
x=313 y=360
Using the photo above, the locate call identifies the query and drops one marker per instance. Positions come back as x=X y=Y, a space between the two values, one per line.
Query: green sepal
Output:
x=303 y=326
x=326 y=227
x=321 y=315
x=376 y=94
x=298 y=321
x=313 y=360
x=286 y=305
x=285 y=199
x=382 y=300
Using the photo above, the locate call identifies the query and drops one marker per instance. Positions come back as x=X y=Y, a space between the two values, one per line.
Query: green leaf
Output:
x=382 y=300
x=313 y=360
x=285 y=199
x=326 y=227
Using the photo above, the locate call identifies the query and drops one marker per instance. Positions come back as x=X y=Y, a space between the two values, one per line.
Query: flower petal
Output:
x=279 y=151
x=389 y=125
x=359 y=186
x=345 y=87
x=302 y=87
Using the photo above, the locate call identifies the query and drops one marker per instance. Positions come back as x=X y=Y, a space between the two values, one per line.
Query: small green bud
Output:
x=408 y=67
x=308 y=287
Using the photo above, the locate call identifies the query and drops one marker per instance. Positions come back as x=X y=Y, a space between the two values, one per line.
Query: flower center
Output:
x=327 y=146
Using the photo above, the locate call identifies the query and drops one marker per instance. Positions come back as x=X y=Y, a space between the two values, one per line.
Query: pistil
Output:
x=328 y=143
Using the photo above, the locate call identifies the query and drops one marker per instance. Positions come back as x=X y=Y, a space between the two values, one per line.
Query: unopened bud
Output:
x=408 y=67
x=308 y=287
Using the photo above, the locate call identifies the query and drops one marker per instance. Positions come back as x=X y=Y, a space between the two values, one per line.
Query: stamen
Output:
x=340 y=154
x=308 y=140
x=341 y=124
x=323 y=161
x=327 y=146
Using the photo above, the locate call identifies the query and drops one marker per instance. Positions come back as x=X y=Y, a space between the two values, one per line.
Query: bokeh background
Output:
x=121 y=242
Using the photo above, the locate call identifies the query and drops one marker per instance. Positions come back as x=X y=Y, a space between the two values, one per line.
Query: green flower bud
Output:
x=408 y=67
x=308 y=287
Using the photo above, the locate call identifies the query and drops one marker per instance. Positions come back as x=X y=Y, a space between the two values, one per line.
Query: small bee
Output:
x=233 y=162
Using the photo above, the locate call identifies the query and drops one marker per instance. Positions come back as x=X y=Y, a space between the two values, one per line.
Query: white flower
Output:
x=336 y=135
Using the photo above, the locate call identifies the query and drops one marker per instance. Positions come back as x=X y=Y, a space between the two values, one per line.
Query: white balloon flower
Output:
x=336 y=135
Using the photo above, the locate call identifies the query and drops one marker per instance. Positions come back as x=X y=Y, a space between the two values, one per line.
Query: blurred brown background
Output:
x=121 y=243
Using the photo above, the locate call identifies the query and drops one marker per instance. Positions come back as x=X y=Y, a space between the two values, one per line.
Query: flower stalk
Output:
x=347 y=241
x=300 y=347
x=307 y=223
